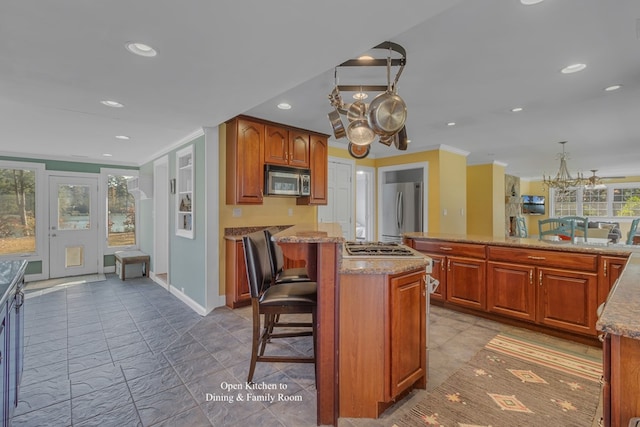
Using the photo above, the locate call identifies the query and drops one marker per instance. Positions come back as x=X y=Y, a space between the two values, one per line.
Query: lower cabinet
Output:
x=609 y=270
x=383 y=340
x=621 y=380
x=466 y=282
x=236 y=283
x=562 y=299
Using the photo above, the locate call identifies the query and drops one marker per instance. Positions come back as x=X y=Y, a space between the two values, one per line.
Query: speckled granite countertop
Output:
x=621 y=314
x=563 y=246
x=383 y=266
x=322 y=232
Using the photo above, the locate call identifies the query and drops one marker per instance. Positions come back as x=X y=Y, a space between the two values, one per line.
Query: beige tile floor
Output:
x=114 y=353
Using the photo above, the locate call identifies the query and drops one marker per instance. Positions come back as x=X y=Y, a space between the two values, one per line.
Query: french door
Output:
x=73 y=226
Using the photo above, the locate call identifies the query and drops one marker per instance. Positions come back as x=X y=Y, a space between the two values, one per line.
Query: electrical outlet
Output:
x=444 y=212
x=182 y=289
x=237 y=212
x=290 y=211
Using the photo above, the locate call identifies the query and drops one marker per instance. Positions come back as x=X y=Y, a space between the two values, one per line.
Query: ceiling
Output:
x=468 y=62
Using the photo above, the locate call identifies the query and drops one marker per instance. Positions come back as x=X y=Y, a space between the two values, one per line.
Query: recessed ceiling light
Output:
x=612 y=88
x=141 y=49
x=573 y=68
x=360 y=96
x=451 y=124
x=123 y=137
x=109 y=103
x=284 y=106
x=107 y=155
x=530 y=2
x=517 y=109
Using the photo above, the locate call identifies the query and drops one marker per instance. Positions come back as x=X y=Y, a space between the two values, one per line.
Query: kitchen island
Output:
x=320 y=246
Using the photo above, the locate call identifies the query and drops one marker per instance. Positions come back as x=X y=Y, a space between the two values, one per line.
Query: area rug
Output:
x=41 y=287
x=514 y=382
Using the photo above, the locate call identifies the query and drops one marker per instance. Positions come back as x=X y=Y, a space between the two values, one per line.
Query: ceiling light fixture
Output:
x=360 y=96
x=141 y=49
x=284 y=106
x=530 y=2
x=113 y=104
x=594 y=182
x=107 y=155
x=451 y=124
x=123 y=137
x=573 y=68
x=612 y=88
x=517 y=109
x=563 y=179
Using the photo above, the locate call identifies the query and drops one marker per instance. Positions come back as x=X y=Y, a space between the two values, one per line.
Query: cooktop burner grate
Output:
x=377 y=248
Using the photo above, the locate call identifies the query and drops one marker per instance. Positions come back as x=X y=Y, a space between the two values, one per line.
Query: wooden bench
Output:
x=131 y=257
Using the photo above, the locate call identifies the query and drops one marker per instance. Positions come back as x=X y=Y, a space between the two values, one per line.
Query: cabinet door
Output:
x=299 y=149
x=511 y=290
x=439 y=273
x=567 y=300
x=250 y=160
x=407 y=307
x=466 y=282
x=242 y=283
x=610 y=269
x=236 y=283
x=319 y=165
x=276 y=145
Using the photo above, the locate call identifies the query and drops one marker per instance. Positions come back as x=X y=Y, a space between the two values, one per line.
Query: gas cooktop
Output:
x=377 y=249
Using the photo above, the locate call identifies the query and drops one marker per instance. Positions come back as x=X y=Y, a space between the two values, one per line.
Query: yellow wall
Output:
x=485 y=200
x=453 y=193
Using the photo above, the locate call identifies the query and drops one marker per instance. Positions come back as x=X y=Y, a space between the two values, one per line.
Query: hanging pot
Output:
x=400 y=140
x=356 y=111
x=336 y=124
x=359 y=132
x=388 y=111
x=387 y=139
x=358 y=151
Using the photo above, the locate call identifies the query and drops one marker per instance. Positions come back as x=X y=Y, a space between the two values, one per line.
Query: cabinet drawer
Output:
x=457 y=249
x=566 y=260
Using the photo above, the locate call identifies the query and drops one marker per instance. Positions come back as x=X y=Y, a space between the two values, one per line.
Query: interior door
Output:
x=73 y=226
x=340 y=203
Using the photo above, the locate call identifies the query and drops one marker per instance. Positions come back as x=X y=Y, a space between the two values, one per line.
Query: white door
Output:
x=161 y=219
x=340 y=202
x=73 y=226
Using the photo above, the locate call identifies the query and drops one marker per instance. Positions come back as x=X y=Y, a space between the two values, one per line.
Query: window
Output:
x=17 y=211
x=614 y=201
x=121 y=212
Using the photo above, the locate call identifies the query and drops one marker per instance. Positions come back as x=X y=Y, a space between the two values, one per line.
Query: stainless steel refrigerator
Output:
x=401 y=210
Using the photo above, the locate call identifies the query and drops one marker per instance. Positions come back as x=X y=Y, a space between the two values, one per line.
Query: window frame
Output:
x=580 y=207
x=104 y=206
x=42 y=251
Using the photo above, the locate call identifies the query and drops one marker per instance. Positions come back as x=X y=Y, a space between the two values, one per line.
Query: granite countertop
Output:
x=563 y=246
x=620 y=314
x=322 y=232
x=11 y=272
x=383 y=265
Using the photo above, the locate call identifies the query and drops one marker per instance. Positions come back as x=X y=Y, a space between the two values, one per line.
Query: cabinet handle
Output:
x=605 y=268
x=531 y=277
x=449 y=265
x=445 y=248
x=540 y=277
x=536 y=257
x=602 y=337
x=442 y=266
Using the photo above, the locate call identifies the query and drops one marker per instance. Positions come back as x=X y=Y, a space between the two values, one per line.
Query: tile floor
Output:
x=115 y=353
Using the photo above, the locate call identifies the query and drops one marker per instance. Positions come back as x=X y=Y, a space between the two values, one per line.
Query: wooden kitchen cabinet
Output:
x=511 y=290
x=319 y=165
x=236 y=283
x=245 y=161
x=382 y=340
x=621 y=380
x=609 y=271
x=461 y=272
x=286 y=147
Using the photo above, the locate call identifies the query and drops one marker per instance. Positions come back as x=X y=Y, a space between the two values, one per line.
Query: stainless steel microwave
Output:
x=286 y=181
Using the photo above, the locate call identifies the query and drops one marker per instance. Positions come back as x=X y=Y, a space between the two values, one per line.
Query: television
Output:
x=533 y=205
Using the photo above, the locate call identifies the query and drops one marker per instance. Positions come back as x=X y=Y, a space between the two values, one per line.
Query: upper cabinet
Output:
x=319 y=165
x=286 y=147
x=245 y=160
x=184 y=184
x=252 y=143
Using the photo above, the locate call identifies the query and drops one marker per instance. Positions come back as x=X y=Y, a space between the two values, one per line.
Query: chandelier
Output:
x=383 y=118
x=563 y=179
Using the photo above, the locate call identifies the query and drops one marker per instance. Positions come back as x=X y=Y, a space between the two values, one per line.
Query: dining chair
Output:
x=269 y=301
x=557 y=227
x=521 y=227
x=632 y=231
x=582 y=225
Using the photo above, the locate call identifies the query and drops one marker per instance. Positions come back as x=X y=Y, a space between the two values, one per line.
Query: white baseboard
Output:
x=187 y=300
